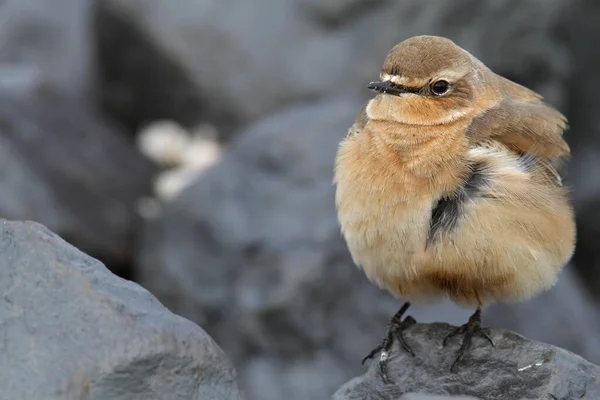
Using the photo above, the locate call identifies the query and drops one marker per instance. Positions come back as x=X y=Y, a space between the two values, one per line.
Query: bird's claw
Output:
x=372 y=353
x=395 y=332
x=469 y=330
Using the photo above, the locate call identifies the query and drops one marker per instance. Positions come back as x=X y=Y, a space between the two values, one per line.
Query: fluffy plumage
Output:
x=456 y=194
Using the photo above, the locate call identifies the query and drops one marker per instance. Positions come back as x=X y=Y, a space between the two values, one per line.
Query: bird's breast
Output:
x=385 y=198
x=504 y=232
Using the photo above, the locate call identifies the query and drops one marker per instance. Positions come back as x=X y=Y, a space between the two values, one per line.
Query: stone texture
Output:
x=67 y=168
x=245 y=59
x=516 y=368
x=417 y=396
x=72 y=330
x=46 y=45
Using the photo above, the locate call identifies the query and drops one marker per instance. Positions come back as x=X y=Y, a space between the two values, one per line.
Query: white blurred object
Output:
x=204 y=149
x=170 y=183
x=187 y=155
x=164 y=142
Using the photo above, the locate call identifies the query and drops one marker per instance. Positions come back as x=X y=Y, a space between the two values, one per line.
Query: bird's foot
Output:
x=395 y=332
x=470 y=329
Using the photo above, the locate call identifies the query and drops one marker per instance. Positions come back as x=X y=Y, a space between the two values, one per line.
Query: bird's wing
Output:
x=524 y=123
x=526 y=126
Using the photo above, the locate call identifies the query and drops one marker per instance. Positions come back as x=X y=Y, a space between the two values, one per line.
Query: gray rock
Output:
x=516 y=368
x=72 y=330
x=417 y=396
x=67 y=168
x=349 y=391
x=46 y=45
x=246 y=59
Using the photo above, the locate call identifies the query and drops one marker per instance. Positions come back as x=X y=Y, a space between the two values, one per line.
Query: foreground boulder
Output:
x=517 y=368
x=72 y=330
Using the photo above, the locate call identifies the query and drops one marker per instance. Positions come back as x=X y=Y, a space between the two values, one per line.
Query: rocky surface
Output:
x=72 y=330
x=67 y=168
x=515 y=369
x=417 y=396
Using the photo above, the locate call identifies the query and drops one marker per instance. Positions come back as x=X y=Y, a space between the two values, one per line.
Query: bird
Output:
x=448 y=184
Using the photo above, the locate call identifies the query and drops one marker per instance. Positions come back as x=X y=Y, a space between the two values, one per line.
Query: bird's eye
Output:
x=440 y=87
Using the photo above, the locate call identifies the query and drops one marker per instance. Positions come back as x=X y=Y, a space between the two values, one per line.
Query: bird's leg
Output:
x=470 y=329
x=396 y=327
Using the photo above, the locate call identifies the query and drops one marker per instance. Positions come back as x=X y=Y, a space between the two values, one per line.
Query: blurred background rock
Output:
x=189 y=145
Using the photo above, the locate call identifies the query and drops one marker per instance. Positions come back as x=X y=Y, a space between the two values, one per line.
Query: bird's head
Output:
x=428 y=80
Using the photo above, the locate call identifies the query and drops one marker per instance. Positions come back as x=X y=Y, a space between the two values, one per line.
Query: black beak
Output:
x=388 y=87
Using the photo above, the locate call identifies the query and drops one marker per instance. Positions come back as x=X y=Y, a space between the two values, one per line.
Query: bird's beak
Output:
x=388 y=87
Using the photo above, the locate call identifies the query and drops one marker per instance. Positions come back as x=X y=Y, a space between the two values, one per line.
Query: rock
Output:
x=46 y=46
x=72 y=330
x=416 y=396
x=238 y=61
x=67 y=168
x=516 y=368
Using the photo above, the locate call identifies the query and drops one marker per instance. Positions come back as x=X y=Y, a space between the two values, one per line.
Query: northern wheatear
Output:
x=447 y=185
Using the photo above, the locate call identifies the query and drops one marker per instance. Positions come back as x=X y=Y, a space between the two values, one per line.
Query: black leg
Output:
x=396 y=327
x=470 y=329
